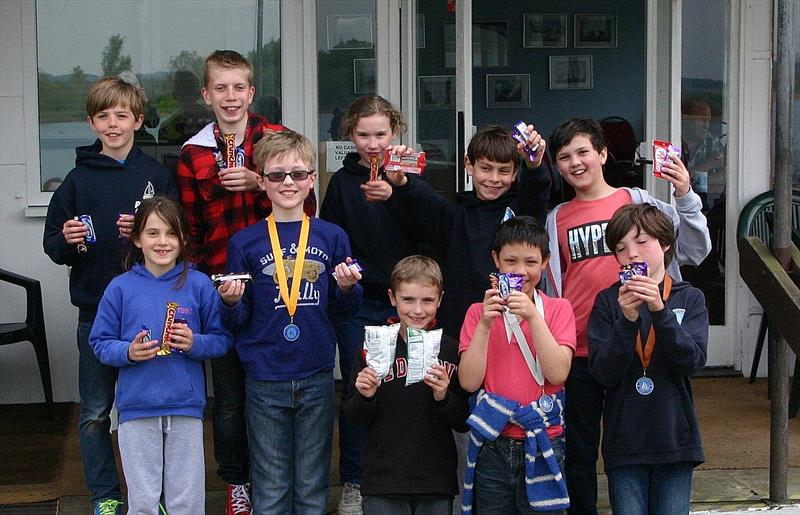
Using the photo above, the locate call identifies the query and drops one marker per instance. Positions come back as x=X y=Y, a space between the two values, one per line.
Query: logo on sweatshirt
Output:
x=149 y=192
x=588 y=241
x=679 y=312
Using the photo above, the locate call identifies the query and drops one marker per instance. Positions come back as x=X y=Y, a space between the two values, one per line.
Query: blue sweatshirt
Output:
x=102 y=187
x=259 y=319
x=164 y=385
x=661 y=427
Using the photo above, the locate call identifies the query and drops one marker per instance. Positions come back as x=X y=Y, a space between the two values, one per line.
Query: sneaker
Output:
x=108 y=507
x=350 y=503
x=238 y=500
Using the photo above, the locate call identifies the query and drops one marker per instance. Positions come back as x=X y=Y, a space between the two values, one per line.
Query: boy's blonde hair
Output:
x=417 y=269
x=277 y=144
x=113 y=91
x=227 y=60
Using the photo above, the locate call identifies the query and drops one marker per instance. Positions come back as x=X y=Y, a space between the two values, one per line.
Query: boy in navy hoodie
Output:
x=109 y=181
x=647 y=336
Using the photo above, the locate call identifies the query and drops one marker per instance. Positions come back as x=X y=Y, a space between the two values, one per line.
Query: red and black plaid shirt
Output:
x=214 y=213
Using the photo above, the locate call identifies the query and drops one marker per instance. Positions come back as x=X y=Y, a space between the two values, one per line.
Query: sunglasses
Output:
x=297 y=175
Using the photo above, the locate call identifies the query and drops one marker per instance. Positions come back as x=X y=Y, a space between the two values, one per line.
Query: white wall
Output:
x=21 y=239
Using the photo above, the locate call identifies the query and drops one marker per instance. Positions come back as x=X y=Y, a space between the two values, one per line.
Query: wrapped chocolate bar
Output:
x=169 y=319
x=218 y=279
x=631 y=269
x=380 y=342
x=519 y=134
x=506 y=283
x=423 y=353
x=230 y=150
x=410 y=163
x=662 y=150
x=373 y=169
x=354 y=266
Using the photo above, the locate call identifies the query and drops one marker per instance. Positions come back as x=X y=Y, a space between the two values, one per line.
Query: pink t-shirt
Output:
x=587 y=264
x=507 y=373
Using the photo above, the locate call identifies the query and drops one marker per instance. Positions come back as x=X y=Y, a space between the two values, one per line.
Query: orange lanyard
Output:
x=646 y=352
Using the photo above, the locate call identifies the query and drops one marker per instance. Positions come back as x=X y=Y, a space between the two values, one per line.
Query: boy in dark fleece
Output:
x=647 y=337
x=109 y=181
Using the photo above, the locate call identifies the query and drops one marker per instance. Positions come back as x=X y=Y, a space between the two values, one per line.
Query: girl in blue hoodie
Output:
x=158 y=322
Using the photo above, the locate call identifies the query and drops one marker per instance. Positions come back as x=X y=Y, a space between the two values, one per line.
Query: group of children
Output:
x=527 y=372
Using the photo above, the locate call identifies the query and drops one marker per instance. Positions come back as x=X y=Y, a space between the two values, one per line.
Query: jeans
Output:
x=230 y=426
x=96 y=384
x=582 y=414
x=375 y=505
x=350 y=338
x=500 y=477
x=290 y=424
x=664 y=489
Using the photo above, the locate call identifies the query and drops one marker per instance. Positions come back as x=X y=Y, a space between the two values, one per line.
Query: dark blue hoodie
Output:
x=660 y=427
x=102 y=187
x=164 y=385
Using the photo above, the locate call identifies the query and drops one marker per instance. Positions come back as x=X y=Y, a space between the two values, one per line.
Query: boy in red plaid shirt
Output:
x=220 y=200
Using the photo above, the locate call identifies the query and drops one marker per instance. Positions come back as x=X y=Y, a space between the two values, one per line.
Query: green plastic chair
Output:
x=758 y=219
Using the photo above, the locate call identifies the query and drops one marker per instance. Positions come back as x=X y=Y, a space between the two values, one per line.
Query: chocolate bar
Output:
x=218 y=279
x=631 y=269
x=354 y=266
x=662 y=150
x=409 y=163
x=169 y=319
x=230 y=150
x=519 y=134
x=506 y=283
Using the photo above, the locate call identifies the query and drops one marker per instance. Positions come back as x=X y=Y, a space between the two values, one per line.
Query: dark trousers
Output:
x=583 y=411
x=230 y=425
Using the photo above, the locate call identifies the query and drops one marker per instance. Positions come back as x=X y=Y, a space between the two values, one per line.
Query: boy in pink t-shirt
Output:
x=518 y=348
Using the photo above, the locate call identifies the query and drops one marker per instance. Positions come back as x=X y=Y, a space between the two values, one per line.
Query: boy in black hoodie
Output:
x=462 y=232
x=109 y=181
x=647 y=336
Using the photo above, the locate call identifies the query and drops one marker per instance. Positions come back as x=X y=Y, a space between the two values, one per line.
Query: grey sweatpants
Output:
x=164 y=453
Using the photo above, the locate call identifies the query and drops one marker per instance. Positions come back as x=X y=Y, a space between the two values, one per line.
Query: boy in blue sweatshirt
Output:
x=302 y=278
x=647 y=336
x=110 y=179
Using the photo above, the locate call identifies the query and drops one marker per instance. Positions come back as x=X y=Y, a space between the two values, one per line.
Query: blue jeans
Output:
x=653 y=489
x=290 y=424
x=376 y=505
x=230 y=426
x=582 y=414
x=96 y=388
x=350 y=338
x=500 y=477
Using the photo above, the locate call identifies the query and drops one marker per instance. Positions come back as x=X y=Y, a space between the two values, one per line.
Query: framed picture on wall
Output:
x=595 y=31
x=364 y=76
x=544 y=30
x=570 y=72
x=437 y=92
x=512 y=91
x=347 y=32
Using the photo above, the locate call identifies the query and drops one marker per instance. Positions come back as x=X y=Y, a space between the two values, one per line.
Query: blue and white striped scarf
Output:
x=545 y=485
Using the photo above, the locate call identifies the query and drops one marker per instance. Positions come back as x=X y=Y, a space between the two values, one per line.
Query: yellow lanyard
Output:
x=280 y=270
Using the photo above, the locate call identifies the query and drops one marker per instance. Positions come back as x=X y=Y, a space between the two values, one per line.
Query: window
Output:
x=159 y=45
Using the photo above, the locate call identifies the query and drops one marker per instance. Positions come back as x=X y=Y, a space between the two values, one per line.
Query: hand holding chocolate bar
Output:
x=74 y=232
x=239 y=178
x=347 y=274
x=142 y=348
x=530 y=143
x=181 y=337
x=229 y=289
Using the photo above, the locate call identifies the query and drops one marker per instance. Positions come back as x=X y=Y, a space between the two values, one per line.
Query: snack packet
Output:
x=506 y=283
x=423 y=353
x=169 y=318
x=380 y=342
x=631 y=269
x=411 y=163
x=518 y=133
x=354 y=265
x=662 y=150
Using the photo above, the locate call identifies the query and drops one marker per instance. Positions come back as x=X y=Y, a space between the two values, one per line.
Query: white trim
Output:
x=464 y=76
x=30 y=100
x=387 y=50
x=407 y=81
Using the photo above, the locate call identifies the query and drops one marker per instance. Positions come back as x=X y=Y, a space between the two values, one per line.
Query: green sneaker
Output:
x=108 y=507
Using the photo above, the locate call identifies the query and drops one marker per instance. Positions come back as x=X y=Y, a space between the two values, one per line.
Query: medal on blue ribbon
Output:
x=291 y=332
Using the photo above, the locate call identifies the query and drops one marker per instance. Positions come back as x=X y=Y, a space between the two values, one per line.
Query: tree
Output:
x=187 y=60
x=113 y=60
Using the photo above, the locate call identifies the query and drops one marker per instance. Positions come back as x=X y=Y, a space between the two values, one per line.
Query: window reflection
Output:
x=157 y=46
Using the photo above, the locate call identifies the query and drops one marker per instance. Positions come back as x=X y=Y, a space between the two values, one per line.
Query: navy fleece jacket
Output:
x=660 y=427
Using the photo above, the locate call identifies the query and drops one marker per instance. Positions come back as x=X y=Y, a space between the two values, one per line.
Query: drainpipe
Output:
x=783 y=87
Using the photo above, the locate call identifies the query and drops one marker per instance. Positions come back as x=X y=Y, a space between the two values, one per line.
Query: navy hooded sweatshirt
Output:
x=462 y=233
x=102 y=187
x=661 y=427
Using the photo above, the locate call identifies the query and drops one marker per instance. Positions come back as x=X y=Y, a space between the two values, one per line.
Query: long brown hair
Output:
x=172 y=213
